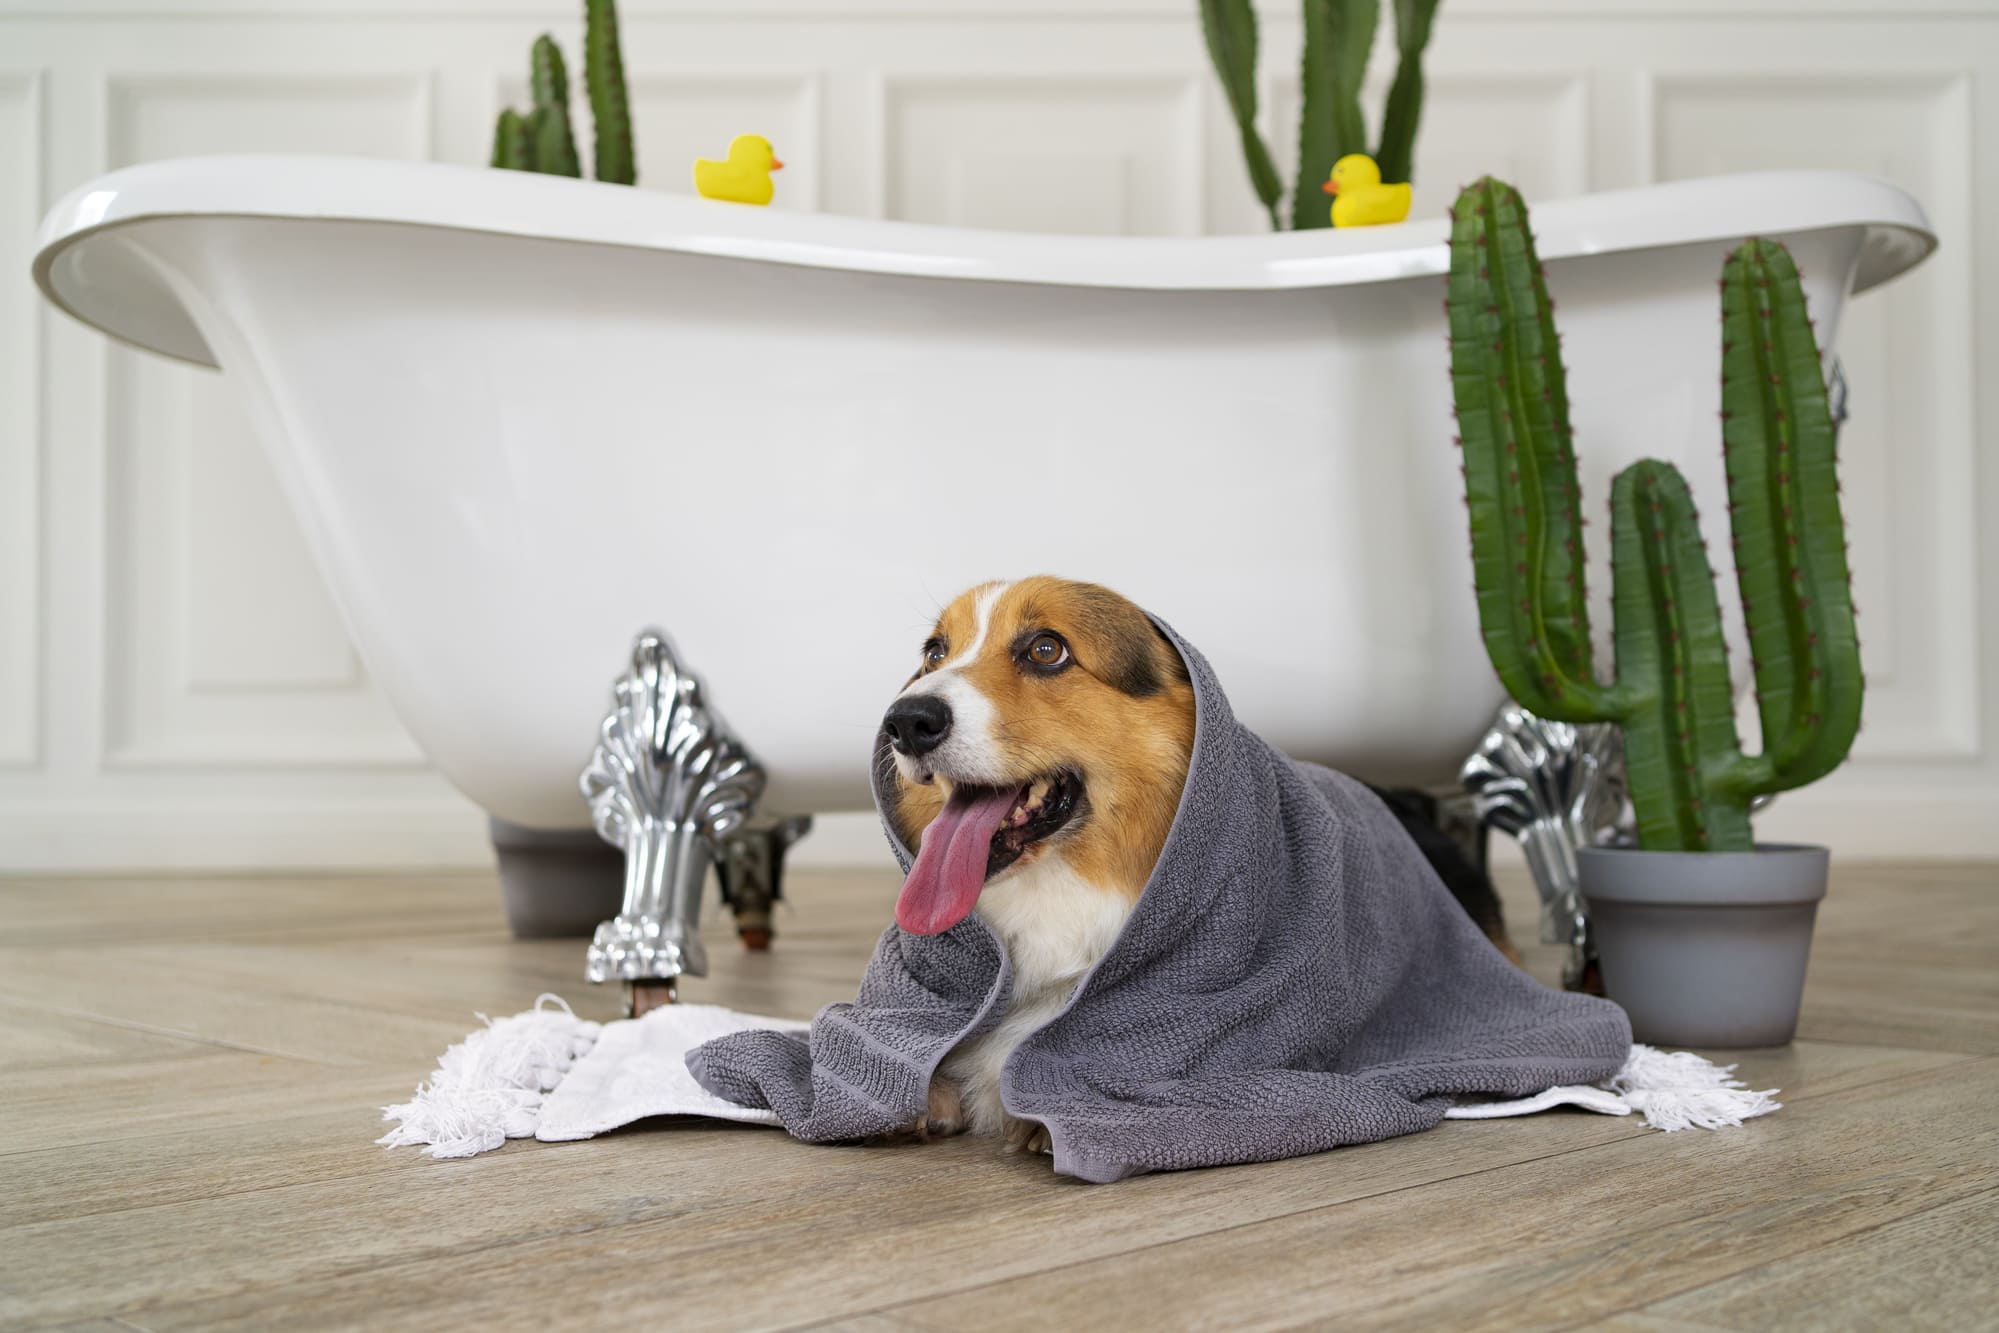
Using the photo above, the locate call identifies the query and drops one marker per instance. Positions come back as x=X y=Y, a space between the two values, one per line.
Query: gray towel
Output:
x=1293 y=978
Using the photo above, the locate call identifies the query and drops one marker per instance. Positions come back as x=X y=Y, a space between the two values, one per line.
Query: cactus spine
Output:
x=1338 y=37
x=604 y=76
x=1689 y=778
x=544 y=140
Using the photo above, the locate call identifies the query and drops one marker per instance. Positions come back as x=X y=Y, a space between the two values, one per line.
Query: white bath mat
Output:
x=550 y=1075
x=639 y=1069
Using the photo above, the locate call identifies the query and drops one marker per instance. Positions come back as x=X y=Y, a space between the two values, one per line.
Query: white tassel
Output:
x=1680 y=1090
x=489 y=1088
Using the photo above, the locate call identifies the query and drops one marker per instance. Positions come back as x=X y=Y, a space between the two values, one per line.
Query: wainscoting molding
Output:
x=176 y=688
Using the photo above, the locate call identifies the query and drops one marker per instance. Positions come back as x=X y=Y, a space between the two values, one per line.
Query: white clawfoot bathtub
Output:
x=520 y=417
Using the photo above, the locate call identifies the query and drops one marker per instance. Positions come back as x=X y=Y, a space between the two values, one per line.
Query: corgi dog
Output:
x=1035 y=763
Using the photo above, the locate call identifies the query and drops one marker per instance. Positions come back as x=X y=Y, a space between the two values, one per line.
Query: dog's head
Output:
x=1047 y=718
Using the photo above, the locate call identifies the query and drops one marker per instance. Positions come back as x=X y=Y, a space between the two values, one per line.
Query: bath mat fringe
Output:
x=490 y=1087
x=494 y=1085
x=1677 y=1090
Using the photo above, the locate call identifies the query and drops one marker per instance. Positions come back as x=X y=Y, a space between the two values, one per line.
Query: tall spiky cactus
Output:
x=604 y=79
x=1689 y=778
x=543 y=140
x=1338 y=35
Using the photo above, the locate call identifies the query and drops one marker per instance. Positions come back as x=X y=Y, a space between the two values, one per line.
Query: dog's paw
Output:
x=1027 y=1136
x=946 y=1115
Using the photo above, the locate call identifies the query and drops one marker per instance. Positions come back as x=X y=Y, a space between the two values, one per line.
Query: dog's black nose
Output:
x=917 y=724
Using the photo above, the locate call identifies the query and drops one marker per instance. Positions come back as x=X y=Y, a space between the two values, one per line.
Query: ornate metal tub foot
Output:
x=751 y=869
x=1555 y=787
x=667 y=783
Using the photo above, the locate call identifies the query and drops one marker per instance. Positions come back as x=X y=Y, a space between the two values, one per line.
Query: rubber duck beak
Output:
x=776 y=165
x=1331 y=187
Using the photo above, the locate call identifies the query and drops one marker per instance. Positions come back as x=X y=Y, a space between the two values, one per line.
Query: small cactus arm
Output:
x=1689 y=779
x=1229 y=26
x=1678 y=717
x=513 y=148
x=1789 y=535
x=1338 y=37
x=548 y=76
x=1396 y=156
x=554 y=144
x=604 y=77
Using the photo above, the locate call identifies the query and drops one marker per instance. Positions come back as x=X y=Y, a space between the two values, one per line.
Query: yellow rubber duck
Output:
x=1359 y=197
x=744 y=178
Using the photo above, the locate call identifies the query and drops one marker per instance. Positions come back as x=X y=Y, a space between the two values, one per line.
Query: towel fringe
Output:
x=490 y=1087
x=1679 y=1090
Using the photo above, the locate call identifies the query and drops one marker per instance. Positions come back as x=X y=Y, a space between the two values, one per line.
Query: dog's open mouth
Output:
x=1039 y=810
x=980 y=832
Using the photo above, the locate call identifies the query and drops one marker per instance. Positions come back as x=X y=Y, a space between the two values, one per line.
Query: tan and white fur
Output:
x=1108 y=726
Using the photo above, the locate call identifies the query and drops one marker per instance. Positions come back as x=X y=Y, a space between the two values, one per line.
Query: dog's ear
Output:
x=1131 y=655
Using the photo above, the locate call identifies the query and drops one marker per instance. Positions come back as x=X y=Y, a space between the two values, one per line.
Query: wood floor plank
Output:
x=961 y=1205
x=187 y=1162
x=74 y=1108
x=1555 y=1241
x=191 y=1104
x=158 y=909
x=1936 y=1270
x=1930 y=1004
x=244 y=996
x=1638 y=1322
x=32 y=1037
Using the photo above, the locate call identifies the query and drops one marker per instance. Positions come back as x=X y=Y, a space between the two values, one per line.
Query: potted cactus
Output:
x=1703 y=933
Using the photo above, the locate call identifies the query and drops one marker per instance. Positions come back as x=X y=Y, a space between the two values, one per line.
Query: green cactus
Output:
x=513 y=146
x=1397 y=155
x=544 y=139
x=1338 y=37
x=1230 y=29
x=1689 y=779
x=548 y=76
x=554 y=144
x=604 y=77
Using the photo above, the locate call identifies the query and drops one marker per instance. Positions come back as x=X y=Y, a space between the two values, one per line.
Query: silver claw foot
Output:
x=751 y=868
x=1555 y=787
x=666 y=784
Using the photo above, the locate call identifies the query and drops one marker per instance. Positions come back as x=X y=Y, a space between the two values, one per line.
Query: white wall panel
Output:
x=20 y=422
x=222 y=645
x=1091 y=155
x=175 y=686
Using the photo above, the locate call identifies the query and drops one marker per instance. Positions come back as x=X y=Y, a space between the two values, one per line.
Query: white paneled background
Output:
x=175 y=685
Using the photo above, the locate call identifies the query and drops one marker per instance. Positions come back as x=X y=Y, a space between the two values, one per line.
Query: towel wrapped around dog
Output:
x=1293 y=978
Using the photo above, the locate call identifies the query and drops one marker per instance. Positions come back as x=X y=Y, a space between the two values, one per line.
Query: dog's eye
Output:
x=933 y=653
x=1047 y=650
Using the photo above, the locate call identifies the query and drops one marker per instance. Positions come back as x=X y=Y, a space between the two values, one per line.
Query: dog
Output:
x=1035 y=763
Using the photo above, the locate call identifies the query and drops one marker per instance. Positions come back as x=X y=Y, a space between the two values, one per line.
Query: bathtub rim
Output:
x=138 y=309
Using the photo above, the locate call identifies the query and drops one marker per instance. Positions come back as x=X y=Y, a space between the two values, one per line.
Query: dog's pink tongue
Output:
x=950 y=868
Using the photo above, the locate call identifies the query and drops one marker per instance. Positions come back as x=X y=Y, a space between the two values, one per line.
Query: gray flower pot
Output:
x=1705 y=948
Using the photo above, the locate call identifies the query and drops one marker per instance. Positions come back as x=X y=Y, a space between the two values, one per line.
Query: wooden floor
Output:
x=193 y=1067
